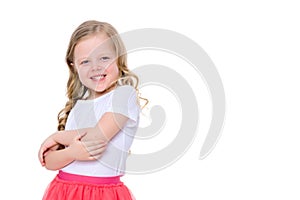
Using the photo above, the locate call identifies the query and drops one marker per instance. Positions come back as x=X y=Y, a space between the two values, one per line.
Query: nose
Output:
x=97 y=66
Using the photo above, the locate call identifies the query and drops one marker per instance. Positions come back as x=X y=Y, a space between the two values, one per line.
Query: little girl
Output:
x=97 y=125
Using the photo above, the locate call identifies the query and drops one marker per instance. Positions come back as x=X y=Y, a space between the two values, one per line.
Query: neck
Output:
x=95 y=94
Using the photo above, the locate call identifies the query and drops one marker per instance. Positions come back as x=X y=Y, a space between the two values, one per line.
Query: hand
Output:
x=47 y=145
x=88 y=150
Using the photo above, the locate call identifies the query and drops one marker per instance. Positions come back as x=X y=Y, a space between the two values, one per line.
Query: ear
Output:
x=121 y=73
x=73 y=66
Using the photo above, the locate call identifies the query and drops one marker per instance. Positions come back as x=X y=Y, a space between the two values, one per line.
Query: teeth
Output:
x=98 y=77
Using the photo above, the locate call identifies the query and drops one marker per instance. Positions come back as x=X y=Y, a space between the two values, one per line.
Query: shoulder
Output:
x=126 y=88
x=124 y=91
x=124 y=101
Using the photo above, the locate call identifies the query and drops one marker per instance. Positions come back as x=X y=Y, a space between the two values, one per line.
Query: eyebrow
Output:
x=99 y=55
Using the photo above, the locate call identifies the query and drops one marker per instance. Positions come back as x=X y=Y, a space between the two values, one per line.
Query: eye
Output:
x=104 y=58
x=84 y=62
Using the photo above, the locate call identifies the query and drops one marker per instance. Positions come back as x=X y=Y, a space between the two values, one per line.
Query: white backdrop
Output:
x=255 y=46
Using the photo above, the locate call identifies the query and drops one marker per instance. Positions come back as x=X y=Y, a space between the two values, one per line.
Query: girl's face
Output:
x=95 y=61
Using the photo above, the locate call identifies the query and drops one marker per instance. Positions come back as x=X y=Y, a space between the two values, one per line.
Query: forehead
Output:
x=94 y=44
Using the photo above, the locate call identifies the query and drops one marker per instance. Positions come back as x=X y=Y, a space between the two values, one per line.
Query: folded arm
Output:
x=106 y=128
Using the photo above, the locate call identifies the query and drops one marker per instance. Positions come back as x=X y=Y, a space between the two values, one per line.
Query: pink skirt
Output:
x=67 y=186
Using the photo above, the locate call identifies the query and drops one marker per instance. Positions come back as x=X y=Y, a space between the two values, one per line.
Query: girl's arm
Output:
x=107 y=127
x=57 y=159
x=54 y=160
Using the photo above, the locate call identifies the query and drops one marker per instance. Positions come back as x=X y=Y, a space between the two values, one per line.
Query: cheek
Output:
x=113 y=69
x=81 y=74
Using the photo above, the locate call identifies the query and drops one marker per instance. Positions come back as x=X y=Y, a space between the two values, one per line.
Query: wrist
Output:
x=60 y=137
x=70 y=154
x=54 y=136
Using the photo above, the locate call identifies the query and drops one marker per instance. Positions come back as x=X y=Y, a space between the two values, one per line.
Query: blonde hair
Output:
x=75 y=89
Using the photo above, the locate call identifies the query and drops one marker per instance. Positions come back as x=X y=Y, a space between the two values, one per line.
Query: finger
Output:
x=41 y=155
x=79 y=136
x=96 y=157
x=95 y=147
x=91 y=158
x=94 y=142
x=97 y=151
x=88 y=144
x=49 y=143
x=41 y=161
x=82 y=134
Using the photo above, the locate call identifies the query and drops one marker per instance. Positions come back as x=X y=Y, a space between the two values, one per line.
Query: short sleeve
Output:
x=124 y=101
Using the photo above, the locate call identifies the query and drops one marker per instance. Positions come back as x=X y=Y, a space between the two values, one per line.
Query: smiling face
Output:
x=96 y=64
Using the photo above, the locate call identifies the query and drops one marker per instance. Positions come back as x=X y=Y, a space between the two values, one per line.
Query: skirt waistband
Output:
x=88 y=179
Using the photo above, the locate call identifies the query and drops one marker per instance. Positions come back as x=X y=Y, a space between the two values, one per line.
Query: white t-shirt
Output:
x=86 y=113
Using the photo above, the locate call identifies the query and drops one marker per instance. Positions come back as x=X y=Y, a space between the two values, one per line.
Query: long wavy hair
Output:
x=75 y=89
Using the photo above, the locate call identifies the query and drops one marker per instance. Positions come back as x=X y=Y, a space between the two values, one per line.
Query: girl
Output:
x=97 y=125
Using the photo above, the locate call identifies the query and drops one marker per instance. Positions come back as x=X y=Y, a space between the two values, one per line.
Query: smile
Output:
x=98 y=77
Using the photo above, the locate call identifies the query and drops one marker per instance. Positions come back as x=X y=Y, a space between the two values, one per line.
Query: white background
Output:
x=255 y=46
